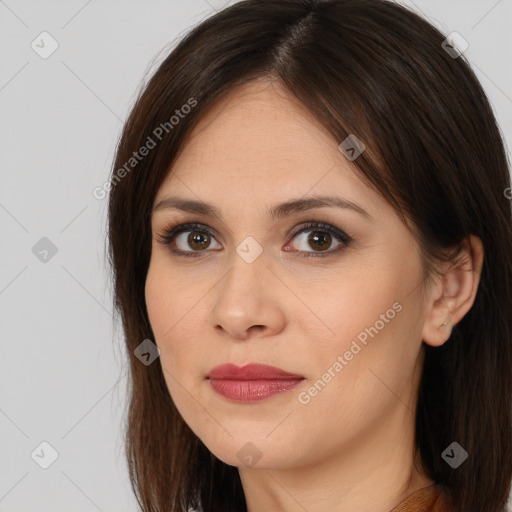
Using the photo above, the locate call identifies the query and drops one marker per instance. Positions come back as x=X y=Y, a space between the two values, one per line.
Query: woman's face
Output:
x=347 y=319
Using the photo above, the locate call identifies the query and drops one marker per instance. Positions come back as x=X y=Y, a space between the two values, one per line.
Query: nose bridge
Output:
x=248 y=265
x=243 y=298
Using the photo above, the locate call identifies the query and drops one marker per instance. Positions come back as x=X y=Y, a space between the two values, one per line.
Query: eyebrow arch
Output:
x=275 y=213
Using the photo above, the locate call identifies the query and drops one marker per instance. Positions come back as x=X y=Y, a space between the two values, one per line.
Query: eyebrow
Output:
x=275 y=213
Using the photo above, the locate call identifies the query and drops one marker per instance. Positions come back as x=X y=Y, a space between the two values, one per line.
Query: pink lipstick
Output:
x=252 y=382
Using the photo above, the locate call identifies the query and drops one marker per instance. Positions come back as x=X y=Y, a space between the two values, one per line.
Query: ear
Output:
x=452 y=296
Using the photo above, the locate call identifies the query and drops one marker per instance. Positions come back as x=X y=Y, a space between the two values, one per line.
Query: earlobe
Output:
x=454 y=294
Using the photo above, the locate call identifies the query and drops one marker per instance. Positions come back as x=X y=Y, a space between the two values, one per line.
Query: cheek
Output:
x=168 y=298
x=336 y=312
x=371 y=301
x=363 y=376
x=171 y=314
x=363 y=329
x=173 y=309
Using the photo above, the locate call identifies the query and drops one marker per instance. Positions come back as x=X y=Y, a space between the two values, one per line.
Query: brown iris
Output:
x=319 y=239
x=197 y=240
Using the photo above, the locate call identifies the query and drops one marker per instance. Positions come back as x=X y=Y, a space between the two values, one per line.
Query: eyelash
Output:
x=169 y=234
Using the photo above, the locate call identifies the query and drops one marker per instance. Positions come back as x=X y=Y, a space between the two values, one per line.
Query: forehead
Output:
x=260 y=142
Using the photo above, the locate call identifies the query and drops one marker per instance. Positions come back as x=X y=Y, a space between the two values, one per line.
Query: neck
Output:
x=375 y=474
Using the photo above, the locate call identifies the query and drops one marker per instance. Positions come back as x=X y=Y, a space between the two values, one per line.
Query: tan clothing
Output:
x=428 y=499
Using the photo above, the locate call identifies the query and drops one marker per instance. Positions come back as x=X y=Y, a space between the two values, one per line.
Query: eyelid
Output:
x=169 y=233
x=322 y=226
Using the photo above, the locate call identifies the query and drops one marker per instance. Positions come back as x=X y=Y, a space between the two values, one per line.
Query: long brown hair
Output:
x=433 y=149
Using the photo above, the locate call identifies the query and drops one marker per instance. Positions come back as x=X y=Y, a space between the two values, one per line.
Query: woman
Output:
x=310 y=241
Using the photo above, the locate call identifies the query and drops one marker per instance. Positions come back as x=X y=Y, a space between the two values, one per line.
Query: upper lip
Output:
x=253 y=371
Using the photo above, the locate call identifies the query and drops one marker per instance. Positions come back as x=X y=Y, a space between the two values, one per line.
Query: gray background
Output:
x=61 y=371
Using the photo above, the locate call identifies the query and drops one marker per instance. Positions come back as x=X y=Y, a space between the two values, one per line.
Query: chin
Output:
x=246 y=452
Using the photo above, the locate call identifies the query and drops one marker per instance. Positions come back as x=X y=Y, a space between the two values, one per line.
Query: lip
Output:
x=252 y=371
x=250 y=383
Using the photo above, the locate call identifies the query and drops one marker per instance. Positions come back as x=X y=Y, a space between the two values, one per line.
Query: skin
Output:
x=351 y=446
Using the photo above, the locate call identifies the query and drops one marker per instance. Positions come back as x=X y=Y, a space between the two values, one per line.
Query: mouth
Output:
x=252 y=382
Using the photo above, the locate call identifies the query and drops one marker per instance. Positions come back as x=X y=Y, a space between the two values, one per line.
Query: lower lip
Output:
x=252 y=390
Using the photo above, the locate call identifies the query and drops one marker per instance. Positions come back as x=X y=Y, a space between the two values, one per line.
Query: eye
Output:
x=321 y=237
x=199 y=237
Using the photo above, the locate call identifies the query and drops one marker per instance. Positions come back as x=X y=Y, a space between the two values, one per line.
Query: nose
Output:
x=247 y=301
